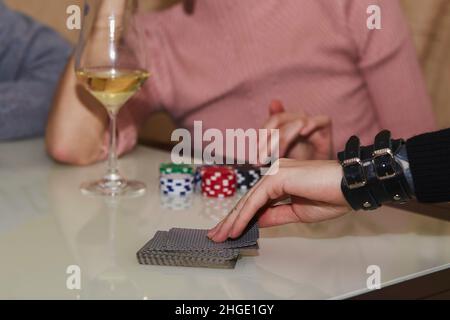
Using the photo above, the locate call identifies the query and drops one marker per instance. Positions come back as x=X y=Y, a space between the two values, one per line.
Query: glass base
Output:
x=114 y=188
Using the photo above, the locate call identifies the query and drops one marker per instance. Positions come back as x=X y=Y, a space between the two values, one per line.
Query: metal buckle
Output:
x=380 y=153
x=350 y=162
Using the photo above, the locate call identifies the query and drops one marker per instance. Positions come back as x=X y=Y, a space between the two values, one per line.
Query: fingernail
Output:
x=213 y=239
x=212 y=232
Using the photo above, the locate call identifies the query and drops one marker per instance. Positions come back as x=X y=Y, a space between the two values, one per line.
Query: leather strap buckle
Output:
x=347 y=165
x=383 y=157
x=384 y=164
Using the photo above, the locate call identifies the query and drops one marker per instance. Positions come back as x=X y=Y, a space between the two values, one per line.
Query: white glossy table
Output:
x=47 y=225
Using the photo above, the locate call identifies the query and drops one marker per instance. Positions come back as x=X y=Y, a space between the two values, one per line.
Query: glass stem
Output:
x=113 y=171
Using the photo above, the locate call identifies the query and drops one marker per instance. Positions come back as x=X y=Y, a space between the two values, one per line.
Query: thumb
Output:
x=276 y=106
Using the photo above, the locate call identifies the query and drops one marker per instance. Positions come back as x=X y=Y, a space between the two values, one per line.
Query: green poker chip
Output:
x=169 y=168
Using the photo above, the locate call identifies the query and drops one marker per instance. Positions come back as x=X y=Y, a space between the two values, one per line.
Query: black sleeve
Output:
x=429 y=160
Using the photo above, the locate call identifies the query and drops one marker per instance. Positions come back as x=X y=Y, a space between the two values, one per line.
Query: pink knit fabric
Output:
x=226 y=62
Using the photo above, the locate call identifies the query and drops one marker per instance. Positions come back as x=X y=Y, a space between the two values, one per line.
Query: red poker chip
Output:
x=216 y=178
x=222 y=169
x=224 y=183
x=219 y=175
x=217 y=188
x=218 y=193
x=218 y=181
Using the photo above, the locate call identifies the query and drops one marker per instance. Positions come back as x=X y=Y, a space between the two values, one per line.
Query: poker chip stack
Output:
x=218 y=181
x=212 y=181
x=247 y=177
x=177 y=184
x=176 y=179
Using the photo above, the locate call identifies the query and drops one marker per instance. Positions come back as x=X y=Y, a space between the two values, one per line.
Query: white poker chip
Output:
x=179 y=184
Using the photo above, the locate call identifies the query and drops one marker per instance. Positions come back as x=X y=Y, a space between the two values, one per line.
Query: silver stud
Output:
x=367 y=205
x=397 y=197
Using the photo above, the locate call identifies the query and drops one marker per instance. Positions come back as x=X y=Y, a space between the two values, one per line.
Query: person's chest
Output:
x=233 y=57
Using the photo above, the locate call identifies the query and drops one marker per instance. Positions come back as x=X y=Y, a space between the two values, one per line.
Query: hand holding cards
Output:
x=192 y=248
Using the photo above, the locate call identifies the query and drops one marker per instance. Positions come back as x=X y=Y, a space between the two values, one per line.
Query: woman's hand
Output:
x=313 y=186
x=302 y=137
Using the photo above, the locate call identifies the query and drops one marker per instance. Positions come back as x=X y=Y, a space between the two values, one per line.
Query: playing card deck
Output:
x=192 y=248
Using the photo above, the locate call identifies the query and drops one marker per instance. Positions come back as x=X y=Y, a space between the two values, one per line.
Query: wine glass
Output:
x=110 y=63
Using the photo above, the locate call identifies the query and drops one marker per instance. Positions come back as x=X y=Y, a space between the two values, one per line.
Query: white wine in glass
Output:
x=111 y=64
x=112 y=87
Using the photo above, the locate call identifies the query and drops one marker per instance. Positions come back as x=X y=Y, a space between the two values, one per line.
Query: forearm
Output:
x=77 y=123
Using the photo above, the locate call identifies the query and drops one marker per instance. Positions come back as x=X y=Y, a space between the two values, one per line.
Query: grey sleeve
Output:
x=32 y=58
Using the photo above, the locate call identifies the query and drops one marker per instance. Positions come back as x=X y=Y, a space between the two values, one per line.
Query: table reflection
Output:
x=48 y=225
x=93 y=234
x=216 y=209
x=176 y=203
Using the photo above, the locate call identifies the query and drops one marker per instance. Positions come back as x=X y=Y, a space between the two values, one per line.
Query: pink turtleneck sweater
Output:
x=226 y=62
